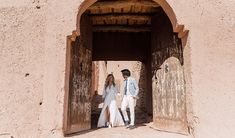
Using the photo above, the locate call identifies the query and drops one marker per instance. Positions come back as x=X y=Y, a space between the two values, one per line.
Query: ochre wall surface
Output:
x=22 y=69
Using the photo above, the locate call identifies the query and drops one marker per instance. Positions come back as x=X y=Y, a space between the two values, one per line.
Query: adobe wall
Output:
x=22 y=51
x=32 y=44
x=33 y=41
x=209 y=58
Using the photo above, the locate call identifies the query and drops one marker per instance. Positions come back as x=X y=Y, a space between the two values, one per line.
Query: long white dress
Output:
x=109 y=94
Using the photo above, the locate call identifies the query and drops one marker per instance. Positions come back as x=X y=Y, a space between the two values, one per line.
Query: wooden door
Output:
x=78 y=98
x=168 y=84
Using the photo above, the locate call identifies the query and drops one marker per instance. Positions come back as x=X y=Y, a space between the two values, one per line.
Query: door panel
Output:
x=168 y=85
x=78 y=113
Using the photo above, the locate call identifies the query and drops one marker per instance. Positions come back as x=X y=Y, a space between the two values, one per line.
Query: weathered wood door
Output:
x=78 y=98
x=168 y=85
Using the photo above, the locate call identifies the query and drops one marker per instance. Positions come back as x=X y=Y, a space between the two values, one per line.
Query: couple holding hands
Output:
x=110 y=115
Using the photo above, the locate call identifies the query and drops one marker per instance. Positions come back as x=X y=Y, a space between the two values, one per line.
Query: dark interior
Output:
x=121 y=46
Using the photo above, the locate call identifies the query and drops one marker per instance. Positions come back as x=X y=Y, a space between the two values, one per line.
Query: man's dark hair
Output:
x=126 y=72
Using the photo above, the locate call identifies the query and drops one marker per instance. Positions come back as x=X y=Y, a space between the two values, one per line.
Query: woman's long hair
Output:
x=107 y=80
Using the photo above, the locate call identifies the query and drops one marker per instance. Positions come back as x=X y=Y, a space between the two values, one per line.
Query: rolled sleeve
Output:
x=104 y=93
x=136 y=87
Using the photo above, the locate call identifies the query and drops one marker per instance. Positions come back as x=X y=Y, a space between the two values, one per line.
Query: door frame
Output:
x=70 y=39
x=183 y=33
x=67 y=75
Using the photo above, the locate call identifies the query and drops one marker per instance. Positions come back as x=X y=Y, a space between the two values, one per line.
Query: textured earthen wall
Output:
x=61 y=21
x=209 y=64
x=33 y=40
x=22 y=48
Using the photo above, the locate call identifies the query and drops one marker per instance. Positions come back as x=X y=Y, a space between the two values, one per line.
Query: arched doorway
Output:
x=127 y=30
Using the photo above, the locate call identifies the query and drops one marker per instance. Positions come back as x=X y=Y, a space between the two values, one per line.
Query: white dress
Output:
x=109 y=95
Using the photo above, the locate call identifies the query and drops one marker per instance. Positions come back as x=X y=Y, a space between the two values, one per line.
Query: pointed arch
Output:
x=178 y=28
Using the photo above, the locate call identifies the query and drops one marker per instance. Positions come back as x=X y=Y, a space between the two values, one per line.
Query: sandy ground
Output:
x=142 y=131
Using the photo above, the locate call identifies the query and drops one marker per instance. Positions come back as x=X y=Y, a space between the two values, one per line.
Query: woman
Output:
x=110 y=115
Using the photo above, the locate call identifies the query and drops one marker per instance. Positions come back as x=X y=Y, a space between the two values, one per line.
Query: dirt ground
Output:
x=141 y=131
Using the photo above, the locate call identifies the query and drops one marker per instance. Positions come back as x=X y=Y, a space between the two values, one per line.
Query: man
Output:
x=131 y=91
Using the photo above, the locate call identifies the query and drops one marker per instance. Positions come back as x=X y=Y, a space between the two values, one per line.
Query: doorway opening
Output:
x=137 y=31
x=130 y=50
x=138 y=71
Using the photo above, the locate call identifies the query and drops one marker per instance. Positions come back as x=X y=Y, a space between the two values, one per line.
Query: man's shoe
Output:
x=131 y=127
x=126 y=123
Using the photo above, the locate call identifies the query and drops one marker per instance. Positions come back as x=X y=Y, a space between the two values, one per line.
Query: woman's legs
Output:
x=107 y=115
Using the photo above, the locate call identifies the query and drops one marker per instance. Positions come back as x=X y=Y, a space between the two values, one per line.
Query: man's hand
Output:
x=134 y=97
